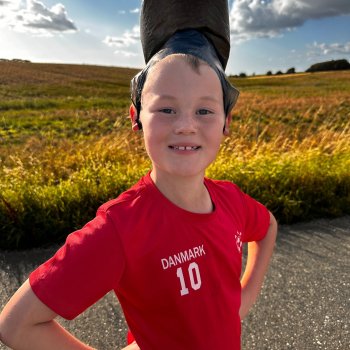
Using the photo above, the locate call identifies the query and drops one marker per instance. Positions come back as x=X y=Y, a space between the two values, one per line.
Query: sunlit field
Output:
x=66 y=146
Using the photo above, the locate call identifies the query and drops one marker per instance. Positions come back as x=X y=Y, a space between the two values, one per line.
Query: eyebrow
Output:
x=204 y=98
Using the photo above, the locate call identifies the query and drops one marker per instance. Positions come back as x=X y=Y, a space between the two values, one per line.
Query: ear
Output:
x=135 y=124
x=228 y=121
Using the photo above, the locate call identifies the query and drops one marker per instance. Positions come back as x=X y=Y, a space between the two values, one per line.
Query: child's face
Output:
x=182 y=117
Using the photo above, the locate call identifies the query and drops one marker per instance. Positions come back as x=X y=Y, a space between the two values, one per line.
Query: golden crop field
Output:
x=66 y=146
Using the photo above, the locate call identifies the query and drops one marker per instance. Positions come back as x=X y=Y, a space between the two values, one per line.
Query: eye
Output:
x=167 y=111
x=204 y=111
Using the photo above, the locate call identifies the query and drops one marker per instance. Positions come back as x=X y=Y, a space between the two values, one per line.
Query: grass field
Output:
x=66 y=146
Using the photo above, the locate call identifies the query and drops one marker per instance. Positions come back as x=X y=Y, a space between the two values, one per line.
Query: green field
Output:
x=66 y=146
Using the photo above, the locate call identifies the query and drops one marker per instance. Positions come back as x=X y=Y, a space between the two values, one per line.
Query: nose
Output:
x=186 y=124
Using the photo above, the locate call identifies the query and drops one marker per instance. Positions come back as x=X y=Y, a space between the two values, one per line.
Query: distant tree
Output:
x=290 y=71
x=18 y=60
x=329 y=66
x=279 y=73
x=242 y=75
x=269 y=73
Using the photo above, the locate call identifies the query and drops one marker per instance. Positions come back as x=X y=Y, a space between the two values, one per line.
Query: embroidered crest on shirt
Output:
x=238 y=236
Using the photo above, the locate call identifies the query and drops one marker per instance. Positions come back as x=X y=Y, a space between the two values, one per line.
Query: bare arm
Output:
x=27 y=323
x=259 y=255
x=132 y=346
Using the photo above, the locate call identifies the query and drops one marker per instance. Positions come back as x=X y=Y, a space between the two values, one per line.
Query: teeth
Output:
x=186 y=148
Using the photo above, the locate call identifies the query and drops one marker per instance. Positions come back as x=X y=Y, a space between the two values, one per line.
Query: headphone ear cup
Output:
x=137 y=126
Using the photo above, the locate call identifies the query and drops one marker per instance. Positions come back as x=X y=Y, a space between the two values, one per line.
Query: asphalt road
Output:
x=304 y=305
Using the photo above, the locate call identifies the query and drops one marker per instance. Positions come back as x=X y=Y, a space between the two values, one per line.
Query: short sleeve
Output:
x=88 y=266
x=257 y=220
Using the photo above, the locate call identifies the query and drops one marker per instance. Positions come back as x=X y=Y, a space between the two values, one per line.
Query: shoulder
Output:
x=220 y=183
x=128 y=199
x=229 y=194
x=135 y=203
x=223 y=188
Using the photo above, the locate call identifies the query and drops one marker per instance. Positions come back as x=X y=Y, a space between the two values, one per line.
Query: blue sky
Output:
x=265 y=34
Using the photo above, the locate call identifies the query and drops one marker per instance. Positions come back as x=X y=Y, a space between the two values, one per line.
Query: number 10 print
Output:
x=195 y=278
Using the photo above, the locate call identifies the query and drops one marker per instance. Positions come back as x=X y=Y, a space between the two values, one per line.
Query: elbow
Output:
x=11 y=328
x=11 y=335
x=7 y=332
x=273 y=225
x=271 y=234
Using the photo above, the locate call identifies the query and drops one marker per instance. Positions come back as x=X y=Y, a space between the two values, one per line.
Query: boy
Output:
x=171 y=246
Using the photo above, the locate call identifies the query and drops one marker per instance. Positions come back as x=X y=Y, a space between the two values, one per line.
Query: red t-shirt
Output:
x=176 y=273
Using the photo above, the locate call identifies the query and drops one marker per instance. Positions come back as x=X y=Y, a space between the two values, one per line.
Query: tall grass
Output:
x=65 y=152
x=48 y=197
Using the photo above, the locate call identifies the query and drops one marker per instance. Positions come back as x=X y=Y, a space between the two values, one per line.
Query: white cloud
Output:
x=329 y=49
x=259 y=19
x=35 y=17
x=9 y=3
x=7 y=7
x=125 y=53
x=114 y=41
x=128 y=38
x=122 y=12
x=136 y=10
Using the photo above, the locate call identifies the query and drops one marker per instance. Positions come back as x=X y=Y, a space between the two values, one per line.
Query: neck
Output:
x=188 y=193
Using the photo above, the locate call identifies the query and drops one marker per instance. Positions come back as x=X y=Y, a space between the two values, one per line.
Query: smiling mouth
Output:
x=185 y=148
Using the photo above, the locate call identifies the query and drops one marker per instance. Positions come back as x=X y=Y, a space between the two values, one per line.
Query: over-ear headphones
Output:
x=134 y=113
x=137 y=125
